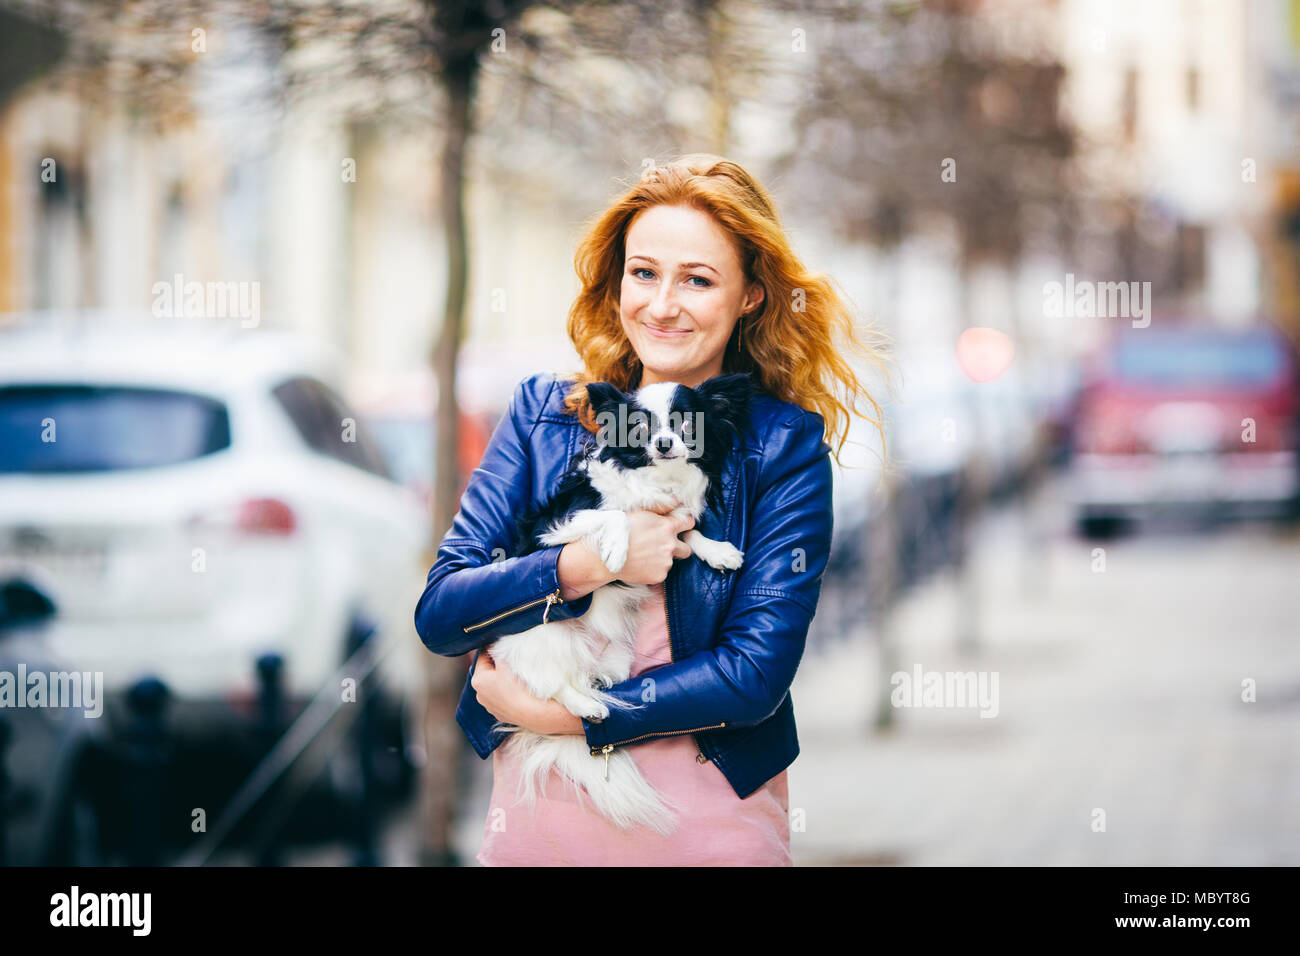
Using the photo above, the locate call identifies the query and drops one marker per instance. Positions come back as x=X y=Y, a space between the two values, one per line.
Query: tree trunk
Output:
x=718 y=37
x=970 y=500
x=885 y=543
x=445 y=675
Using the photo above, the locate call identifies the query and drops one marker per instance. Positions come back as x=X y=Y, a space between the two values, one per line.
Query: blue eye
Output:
x=637 y=274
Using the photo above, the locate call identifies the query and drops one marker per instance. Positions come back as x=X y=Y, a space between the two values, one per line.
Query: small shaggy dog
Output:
x=666 y=444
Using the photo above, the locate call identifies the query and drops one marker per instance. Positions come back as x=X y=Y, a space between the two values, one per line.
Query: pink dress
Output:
x=714 y=826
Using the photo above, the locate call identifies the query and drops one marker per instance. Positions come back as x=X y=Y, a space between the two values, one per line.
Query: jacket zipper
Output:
x=700 y=757
x=659 y=733
x=551 y=599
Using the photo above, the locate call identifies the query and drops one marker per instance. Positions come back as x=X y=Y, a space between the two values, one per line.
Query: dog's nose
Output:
x=664 y=445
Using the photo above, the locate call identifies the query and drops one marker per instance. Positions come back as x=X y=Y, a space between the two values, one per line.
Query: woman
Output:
x=688 y=275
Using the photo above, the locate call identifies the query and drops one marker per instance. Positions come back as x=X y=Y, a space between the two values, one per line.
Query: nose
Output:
x=664 y=444
x=663 y=305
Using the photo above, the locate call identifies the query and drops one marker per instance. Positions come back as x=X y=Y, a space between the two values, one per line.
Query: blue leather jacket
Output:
x=735 y=638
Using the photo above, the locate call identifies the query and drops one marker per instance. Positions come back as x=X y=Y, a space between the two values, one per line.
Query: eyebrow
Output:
x=685 y=265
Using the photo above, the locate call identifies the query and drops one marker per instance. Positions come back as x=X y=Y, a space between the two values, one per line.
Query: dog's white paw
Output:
x=582 y=703
x=722 y=555
x=611 y=541
x=590 y=708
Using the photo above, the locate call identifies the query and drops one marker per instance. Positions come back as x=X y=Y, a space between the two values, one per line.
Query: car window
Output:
x=50 y=428
x=407 y=445
x=1200 y=361
x=318 y=413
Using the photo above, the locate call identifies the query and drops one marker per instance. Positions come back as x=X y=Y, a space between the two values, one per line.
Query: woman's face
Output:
x=683 y=289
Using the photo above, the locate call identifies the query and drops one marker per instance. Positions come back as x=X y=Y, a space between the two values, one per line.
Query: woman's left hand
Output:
x=509 y=701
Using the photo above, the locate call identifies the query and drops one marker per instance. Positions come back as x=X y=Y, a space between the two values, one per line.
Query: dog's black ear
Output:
x=728 y=397
x=605 y=397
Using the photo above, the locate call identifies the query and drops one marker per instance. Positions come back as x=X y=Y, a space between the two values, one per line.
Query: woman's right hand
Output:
x=653 y=544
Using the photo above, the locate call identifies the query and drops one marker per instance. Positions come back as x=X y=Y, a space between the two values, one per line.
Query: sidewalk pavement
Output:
x=1119 y=691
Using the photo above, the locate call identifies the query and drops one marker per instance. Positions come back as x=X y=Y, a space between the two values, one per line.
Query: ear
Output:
x=728 y=396
x=604 y=396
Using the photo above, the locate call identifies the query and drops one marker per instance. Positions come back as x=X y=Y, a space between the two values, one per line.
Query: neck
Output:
x=691 y=379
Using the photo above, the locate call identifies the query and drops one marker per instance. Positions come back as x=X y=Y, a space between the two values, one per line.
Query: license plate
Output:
x=1191 y=477
x=86 y=563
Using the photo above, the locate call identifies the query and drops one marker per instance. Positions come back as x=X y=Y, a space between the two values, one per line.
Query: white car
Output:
x=198 y=497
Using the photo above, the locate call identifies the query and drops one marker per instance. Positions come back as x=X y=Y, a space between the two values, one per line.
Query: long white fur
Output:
x=571 y=660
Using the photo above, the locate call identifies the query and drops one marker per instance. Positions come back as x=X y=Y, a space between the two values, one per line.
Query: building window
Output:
x=59 y=237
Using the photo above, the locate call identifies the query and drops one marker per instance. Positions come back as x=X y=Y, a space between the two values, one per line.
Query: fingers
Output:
x=682 y=523
x=483 y=667
x=681 y=550
x=664 y=509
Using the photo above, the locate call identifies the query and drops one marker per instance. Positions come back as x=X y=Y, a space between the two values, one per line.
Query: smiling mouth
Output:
x=665 y=332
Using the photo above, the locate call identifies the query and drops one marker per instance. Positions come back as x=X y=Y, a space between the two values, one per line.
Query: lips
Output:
x=666 y=332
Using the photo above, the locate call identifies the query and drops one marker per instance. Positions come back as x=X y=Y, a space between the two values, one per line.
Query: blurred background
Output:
x=269 y=272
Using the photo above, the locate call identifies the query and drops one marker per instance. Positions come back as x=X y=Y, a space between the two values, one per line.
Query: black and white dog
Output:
x=665 y=444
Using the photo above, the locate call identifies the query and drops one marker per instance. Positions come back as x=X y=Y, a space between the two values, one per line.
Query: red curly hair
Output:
x=791 y=343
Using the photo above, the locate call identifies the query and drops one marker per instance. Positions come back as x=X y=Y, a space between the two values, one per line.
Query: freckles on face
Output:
x=682 y=289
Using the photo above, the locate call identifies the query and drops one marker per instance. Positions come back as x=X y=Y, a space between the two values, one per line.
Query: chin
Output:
x=678 y=457
x=669 y=362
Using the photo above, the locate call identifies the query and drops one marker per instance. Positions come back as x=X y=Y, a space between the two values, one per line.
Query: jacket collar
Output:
x=765 y=408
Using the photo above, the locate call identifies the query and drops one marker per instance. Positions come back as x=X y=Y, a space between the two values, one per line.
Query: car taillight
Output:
x=1109 y=435
x=269 y=516
x=265 y=516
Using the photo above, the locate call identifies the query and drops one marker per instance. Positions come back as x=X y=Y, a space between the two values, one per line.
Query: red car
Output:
x=1187 y=417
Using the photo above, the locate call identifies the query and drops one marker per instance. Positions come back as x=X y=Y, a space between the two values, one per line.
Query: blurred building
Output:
x=335 y=221
x=1275 y=64
x=26 y=50
x=1180 y=159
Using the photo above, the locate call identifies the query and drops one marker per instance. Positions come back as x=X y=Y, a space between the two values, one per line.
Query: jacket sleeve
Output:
x=475 y=592
x=745 y=676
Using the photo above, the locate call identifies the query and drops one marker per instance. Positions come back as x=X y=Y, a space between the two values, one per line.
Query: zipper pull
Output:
x=550 y=599
x=700 y=758
x=607 y=750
